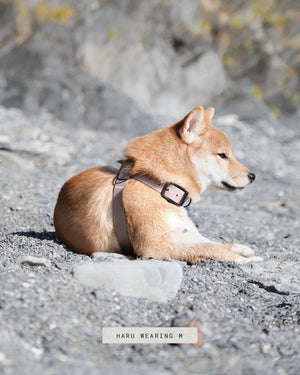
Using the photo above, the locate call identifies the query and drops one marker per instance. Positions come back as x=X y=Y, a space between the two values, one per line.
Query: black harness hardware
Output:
x=175 y=194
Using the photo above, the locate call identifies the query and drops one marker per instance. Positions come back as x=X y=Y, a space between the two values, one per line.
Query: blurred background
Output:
x=82 y=60
x=78 y=80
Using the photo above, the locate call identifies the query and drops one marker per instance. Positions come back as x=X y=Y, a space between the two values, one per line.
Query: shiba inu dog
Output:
x=190 y=158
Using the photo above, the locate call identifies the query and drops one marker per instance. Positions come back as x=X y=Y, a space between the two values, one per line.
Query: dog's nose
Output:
x=251 y=177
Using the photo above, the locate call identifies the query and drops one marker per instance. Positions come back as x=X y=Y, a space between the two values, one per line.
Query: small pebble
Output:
x=34 y=261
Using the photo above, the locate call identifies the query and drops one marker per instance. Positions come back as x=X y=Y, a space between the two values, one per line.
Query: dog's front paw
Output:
x=243 y=260
x=243 y=250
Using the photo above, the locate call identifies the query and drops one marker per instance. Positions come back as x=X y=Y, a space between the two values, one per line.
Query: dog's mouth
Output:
x=230 y=187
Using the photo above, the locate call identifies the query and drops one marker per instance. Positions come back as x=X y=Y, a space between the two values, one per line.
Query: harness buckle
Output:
x=174 y=194
x=123 y=175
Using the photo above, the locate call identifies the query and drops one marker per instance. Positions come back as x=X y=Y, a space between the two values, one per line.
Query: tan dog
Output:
x=192 y=154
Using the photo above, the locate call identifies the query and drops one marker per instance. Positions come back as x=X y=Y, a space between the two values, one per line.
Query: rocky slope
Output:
x=51 y=320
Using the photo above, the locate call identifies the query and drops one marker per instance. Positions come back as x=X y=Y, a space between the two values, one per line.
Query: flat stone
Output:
x=110 y=257
x=34 y=261
x=157 y=280
x=180 y=262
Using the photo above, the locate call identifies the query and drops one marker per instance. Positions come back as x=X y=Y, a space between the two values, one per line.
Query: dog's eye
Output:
x=222 y=155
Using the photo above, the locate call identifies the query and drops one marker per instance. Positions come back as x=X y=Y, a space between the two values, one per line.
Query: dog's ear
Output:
x=193 y=126
x=209 y=114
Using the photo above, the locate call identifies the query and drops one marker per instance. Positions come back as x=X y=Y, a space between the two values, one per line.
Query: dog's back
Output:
x=83 y=213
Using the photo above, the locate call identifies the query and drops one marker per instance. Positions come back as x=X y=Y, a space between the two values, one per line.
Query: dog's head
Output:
x=211 y=154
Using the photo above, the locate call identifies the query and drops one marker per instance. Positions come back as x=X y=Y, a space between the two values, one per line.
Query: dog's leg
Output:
x=243 y=250
x=194 y=253
x=170 y=233
x=230 y=252
x=199 y=247
x=189 y=245
x=239 y=249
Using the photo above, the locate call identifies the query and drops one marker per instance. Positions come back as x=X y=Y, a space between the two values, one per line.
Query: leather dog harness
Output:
x=171 y=192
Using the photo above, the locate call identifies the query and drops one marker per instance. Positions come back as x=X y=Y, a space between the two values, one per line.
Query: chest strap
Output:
x=119 y=216
x=173 y=193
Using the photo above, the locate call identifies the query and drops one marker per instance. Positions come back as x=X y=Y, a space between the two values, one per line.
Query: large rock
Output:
x=167 y=56
x=156 y=280
x=162 y=71
x=158 y=60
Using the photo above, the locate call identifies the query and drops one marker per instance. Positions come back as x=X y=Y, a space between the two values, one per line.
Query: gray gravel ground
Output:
x=50 y=323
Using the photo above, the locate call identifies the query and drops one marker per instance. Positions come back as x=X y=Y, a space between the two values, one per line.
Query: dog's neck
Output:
x=164 y=156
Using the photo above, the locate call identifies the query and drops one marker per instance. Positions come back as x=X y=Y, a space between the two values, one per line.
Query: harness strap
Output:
x=173 y=193
x=119 y=216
